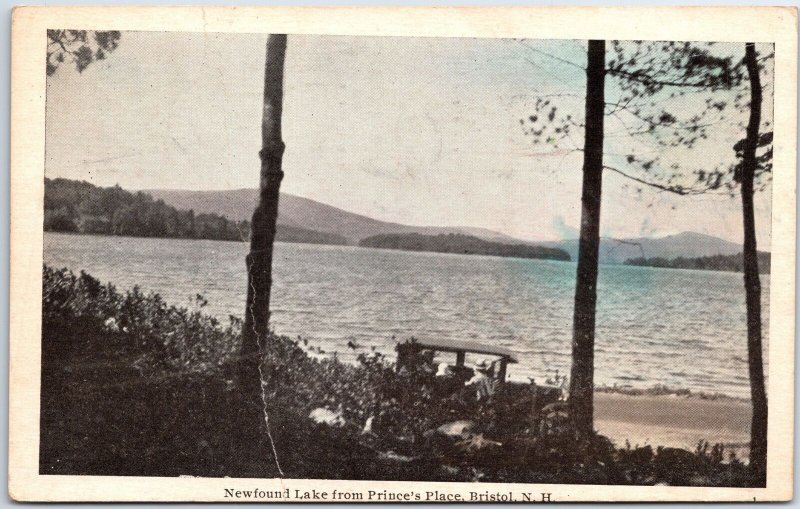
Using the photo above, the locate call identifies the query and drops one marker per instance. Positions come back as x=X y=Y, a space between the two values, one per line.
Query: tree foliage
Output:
x=79 y=47
x=74 y=206
x=665 y=98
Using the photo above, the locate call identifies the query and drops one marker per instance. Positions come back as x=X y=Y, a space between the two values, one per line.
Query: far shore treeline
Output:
x=80 y=207
x=461 y=244
x=724 y=263
x=73 y=206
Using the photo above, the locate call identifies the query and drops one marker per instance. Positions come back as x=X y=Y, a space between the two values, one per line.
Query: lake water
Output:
x=681 y=328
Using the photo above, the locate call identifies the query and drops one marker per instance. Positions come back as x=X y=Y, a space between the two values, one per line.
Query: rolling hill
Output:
x=305 y=213
x=301 y=212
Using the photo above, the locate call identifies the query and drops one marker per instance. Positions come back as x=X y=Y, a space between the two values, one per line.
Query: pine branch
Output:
x=650 y=80
x=679 y=190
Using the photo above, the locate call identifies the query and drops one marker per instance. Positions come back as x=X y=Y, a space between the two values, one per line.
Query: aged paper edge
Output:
x=734 y=24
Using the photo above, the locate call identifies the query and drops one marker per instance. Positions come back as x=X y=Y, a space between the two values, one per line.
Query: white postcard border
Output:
x=759 y=24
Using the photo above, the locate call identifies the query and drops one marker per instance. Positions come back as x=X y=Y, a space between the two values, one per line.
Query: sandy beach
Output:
x=674 y=421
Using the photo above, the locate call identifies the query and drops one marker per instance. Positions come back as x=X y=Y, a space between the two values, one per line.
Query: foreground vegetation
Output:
x=725 y=263
x=458 y=243
x=133 y=386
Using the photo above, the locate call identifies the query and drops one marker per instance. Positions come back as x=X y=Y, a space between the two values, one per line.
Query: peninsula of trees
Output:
x=726 y=263
x=461 y=244
x=80 y=207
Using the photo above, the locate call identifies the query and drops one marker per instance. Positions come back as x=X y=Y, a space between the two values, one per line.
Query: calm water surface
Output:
x=681 y=328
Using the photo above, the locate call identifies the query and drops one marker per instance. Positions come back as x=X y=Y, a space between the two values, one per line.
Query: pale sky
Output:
x=421 y=131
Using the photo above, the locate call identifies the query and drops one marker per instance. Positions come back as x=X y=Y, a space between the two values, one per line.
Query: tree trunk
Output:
x=581 y=387
x=262 y=237
x=752 y=283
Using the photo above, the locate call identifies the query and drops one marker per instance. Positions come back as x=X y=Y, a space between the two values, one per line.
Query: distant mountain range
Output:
x=685 y=244
x=305 y=213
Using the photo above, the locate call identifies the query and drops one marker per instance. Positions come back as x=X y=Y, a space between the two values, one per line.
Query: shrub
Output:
x=131 y=329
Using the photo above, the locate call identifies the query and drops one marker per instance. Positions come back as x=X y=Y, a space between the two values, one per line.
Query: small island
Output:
x=458 y=243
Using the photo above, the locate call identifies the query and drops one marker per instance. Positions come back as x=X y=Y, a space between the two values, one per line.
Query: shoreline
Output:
x=601 y=264
x=674 y=421
x=660 y=390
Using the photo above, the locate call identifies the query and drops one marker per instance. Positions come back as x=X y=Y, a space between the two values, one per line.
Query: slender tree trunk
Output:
x=581 y=388
x=752 y=283
x=262 y=237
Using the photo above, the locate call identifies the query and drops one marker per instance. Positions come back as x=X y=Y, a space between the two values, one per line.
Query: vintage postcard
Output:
x=402 y=254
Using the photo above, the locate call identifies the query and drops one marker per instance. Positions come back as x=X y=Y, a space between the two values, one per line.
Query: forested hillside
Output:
x=80 y=207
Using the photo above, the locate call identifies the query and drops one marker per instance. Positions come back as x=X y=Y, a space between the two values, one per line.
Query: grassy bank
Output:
x=134 y=386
